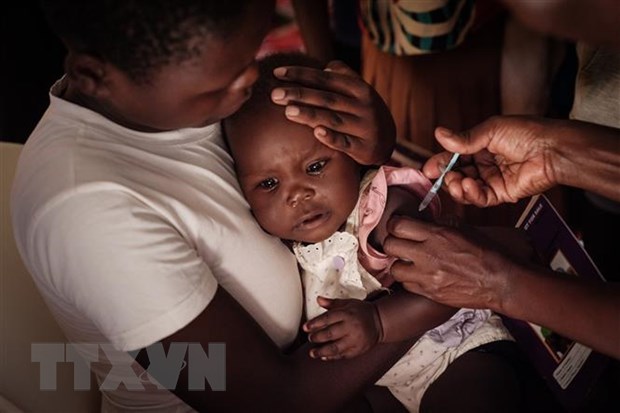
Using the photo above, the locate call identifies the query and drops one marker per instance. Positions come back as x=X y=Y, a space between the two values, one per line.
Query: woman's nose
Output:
x=299 y=196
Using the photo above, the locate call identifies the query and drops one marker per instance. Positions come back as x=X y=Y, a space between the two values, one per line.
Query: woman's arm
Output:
x=456 y=270
x=586 y=155
x=260 y=378
x=594 y=21
x=315 y=27
x=587 y=312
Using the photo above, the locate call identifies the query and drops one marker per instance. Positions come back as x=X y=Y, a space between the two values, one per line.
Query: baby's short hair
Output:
x=140 y=35
x=261 y=90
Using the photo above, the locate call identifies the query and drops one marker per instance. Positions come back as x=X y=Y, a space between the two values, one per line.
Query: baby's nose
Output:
x=300 y=196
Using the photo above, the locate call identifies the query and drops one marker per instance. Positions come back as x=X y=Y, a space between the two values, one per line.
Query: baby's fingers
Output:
x=334 y=350
x=327 y=334
x=322 y=321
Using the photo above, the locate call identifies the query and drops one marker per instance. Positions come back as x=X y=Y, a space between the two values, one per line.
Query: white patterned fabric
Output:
x=331 y=269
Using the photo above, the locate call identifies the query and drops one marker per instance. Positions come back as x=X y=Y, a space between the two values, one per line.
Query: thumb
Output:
x=467 y=142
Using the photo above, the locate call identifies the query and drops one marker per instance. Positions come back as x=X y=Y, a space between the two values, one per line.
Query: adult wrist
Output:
x=578 y=152
x=556 y=150
x=509 y=295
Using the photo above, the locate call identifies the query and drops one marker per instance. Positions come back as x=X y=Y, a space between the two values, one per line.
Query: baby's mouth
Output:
x=312 y=220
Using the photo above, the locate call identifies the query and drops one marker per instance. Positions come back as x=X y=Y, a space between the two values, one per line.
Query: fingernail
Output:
x=312 y=354
x=320 y=132
x=291 y=111
x=448 y=133
x=279 y=71
x=391 y=223
x=324 y=358
x=278 y=94
x=328 y=69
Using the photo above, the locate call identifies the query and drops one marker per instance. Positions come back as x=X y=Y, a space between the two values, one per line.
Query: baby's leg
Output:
x=382 y=401
x=495 y=377
x=476 y=382
x=377 y=399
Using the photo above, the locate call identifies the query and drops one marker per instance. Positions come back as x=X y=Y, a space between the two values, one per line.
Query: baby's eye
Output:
x=268 y=184
x=315 y=168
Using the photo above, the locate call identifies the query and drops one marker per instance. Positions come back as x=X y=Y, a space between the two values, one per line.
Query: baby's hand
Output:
x=344 y=111
x=348 y=329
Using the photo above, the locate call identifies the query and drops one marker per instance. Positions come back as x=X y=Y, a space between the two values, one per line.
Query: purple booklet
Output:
x=569 y=368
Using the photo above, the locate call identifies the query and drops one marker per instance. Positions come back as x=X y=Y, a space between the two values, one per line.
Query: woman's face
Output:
x=298 y=188
x=195 y=92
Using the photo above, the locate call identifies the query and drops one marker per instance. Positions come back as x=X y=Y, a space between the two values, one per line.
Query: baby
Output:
x=333 y=213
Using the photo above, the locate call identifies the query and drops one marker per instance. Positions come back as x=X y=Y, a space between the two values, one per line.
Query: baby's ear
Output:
x=87 y=72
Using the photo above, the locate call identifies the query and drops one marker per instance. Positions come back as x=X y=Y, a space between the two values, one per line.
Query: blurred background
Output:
x=503 y=68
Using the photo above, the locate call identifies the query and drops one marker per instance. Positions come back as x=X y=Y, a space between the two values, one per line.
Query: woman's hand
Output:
x=348 y=329
x=510 y=159
x=444 y=265
x=345 y=112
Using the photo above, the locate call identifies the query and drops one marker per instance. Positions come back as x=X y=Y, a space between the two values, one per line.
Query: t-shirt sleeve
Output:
x=122 y=265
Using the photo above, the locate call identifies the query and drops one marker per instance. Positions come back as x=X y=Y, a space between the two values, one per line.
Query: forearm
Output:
x=260 y=378
x=313 y=19
x=588 y=312
x=337 y=382
x=530 y=60
x=594 y=22
x=405 y=315
x=585 y=155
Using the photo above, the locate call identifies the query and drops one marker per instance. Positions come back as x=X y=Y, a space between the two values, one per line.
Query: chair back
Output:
x=24 y=320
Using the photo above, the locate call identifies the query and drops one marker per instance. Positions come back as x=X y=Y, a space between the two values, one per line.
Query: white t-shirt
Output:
x=128 y=235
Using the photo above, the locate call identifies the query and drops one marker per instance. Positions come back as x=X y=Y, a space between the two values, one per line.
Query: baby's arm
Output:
x=351 y=327
x=405 y=315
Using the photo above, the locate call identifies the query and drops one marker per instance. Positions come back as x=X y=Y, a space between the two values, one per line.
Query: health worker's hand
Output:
x=348 y=329
x=509 y=159
x=344 y=111
x=448 y=266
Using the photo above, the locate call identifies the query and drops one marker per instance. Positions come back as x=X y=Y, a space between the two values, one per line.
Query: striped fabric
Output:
x=409 y=27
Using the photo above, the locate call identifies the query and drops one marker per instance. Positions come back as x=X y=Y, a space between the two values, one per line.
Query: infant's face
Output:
x=298 y=188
